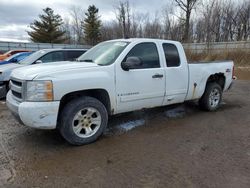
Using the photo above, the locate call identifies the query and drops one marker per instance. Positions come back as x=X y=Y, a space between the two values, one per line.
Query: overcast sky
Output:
x=16 y=15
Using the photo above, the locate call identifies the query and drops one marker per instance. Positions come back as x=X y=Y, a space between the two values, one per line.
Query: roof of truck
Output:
x=144 y=39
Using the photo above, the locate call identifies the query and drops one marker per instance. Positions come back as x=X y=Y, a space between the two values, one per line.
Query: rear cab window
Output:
x=171 y=55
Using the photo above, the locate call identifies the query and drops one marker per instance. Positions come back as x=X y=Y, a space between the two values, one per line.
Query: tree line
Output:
x=182 y=20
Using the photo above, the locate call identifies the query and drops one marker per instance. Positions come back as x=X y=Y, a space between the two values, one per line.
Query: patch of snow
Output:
x=178 y=112
x=131 y=125
x=124 y=127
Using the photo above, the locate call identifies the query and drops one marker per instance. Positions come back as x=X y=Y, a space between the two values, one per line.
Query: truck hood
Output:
x=9 y=67
x=46 y=70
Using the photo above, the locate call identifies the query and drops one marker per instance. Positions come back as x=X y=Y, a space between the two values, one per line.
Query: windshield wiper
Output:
x=86 y=60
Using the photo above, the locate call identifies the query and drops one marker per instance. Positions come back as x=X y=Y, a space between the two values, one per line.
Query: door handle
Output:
x=157 y=76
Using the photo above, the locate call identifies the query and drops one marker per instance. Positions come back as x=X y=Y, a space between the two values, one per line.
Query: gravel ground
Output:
x=177 y=146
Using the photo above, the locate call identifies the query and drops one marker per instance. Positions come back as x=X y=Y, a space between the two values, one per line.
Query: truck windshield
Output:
x=104 y=53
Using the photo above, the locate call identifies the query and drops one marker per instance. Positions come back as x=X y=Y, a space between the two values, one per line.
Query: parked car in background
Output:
x=10 y=53
x=15 y=58
x=41 y=56
x=53 y=55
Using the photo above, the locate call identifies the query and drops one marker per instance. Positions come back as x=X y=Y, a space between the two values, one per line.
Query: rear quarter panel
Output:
x=199 y=74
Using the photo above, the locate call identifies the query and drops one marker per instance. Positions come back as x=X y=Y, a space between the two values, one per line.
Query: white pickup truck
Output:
x=113 y=77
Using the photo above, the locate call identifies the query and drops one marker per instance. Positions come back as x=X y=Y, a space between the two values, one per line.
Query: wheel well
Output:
x=219 y=78
x=100 y=94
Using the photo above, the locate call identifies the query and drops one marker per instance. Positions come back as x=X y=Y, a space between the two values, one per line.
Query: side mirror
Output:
x=131 y=62
x=38 y=62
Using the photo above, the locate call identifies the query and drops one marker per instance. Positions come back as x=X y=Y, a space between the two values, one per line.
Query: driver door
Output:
x=144 y=85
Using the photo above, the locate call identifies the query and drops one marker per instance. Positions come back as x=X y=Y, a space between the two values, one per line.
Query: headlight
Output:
x=39 y=91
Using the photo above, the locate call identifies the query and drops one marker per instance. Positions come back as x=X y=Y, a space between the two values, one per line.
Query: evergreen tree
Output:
x=48 y=28
x=92 y=26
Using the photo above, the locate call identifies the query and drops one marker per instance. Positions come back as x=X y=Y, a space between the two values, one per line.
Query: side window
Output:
x=171 y=55
x=148 y=54
x=20 y=57
x=52 y=57
x=72 y=55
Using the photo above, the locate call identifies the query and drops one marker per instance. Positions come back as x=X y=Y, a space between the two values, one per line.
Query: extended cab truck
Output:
x=113 y=77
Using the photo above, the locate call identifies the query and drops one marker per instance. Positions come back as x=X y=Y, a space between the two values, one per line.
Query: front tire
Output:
x=83 y=120
x=211 y=99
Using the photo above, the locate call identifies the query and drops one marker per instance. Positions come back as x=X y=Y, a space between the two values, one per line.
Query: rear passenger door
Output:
x=144 y=85
x=176 y=75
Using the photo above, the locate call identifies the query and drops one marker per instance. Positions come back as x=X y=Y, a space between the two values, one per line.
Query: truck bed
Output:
x=206 y=62
x=199 y=72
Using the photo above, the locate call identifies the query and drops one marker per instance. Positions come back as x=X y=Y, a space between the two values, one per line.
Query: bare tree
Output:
x=77 y=15
x=176 y=30
x=123 y=14
x=110 y=30
x=209 y=17
x=215 y=21
x=67 y=29
x=139 y=22
x=167 y=21
x=187 y=6
x=153 y=28
x=134 y=26
x=243 y=21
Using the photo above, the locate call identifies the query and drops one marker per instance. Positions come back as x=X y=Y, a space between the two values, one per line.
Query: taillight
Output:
x=233 y=73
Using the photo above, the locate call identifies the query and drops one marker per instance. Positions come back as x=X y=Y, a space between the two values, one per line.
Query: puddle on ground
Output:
x=178 y=112
x=124 y=127
x=138 y=119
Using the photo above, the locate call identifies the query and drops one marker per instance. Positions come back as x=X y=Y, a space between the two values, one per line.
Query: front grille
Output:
x=17 y=83
x=16 y=94
x=16 y=87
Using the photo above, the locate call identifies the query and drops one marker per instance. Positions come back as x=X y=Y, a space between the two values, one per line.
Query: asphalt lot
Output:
x=178 y=146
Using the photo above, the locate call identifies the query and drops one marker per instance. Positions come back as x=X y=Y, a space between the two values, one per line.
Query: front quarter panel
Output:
x=101 y=77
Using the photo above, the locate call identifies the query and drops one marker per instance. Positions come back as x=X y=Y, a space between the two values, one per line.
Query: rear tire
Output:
x=211 y=99
x=83 y=120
